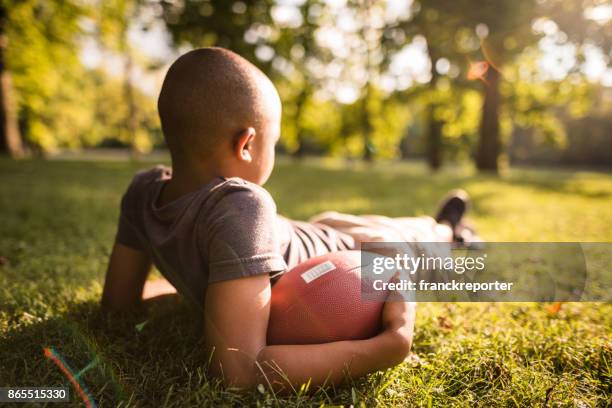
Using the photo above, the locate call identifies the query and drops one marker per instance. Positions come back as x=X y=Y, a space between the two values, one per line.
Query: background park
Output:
x=387 y=105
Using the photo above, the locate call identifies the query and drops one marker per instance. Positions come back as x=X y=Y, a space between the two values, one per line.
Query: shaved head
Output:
x=210 y=95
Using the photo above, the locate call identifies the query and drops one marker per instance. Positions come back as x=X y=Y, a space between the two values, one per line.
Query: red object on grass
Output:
x=319 y=301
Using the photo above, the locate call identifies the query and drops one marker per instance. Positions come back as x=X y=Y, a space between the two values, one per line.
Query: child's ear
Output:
x=244 y=144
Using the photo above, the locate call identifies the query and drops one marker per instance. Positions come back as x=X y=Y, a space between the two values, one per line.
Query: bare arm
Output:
x=236 y=321
x=125 y=278
x=126 y=284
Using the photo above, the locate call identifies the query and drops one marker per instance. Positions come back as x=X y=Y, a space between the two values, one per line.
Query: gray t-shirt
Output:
x=227 y=229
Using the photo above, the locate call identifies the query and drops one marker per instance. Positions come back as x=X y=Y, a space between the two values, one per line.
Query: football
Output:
x=319 y=301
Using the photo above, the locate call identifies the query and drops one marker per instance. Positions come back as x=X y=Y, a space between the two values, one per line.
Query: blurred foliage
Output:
x=61 y=102
x=241 y=26
x=110 y=112
x=537 y=104
x=314 y=51
x=47 y=73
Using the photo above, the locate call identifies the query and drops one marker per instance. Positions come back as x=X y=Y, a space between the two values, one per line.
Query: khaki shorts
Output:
x=378 y=228
x=407 y=233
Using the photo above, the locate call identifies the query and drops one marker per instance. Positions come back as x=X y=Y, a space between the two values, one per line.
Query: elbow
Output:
x=238 y=380
x=241 y=383
x=240 y=377
x=261 y=370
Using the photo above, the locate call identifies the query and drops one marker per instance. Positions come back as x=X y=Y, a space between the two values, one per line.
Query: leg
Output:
x=378 y=228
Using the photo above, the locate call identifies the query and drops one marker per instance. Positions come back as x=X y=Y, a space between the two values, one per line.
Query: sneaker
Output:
x=452 y=208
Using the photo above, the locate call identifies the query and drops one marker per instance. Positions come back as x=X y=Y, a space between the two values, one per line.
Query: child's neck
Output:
x=185 y=181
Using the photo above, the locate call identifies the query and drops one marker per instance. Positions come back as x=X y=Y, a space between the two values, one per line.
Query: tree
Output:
x=439 y=23
x=242 y=26
x=110 y=110
x=506 y=25
x=10 y=137
x=41 y=38
x=361 y=55
x=509 y=31
x=115 y=18
x=296 y=49
x=369 y=53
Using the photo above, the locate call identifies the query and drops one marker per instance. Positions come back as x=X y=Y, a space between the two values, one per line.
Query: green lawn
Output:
x=57 y=221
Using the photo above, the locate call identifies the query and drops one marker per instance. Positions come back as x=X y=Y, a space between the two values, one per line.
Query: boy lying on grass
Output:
x=213 y=232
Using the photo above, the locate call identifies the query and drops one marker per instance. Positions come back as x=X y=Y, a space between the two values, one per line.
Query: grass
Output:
x=57 y=221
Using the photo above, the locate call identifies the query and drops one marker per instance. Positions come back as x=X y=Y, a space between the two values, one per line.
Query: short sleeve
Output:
x=242 y=239
x=127 y=233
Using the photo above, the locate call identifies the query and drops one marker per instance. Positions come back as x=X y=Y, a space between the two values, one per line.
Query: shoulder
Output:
x=236 y=205
x=157 y=173
x=240 y=194
x=141 y=183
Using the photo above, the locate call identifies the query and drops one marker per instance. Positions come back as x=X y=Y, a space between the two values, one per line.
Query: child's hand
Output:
x=398 y=314
x=398 y=321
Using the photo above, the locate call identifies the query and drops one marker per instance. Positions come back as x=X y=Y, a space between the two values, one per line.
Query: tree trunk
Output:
x=489 y=144
x=434 y=139
x=370 y=45
x=131 y=121
x=10 y=138
x=434 y=126
x=434 y=131
x=366 y=126
x=299 y=108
